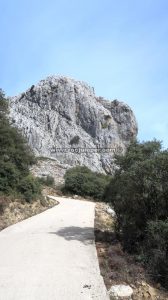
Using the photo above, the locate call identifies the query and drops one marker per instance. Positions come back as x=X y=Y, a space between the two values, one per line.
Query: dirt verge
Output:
x=17 y=210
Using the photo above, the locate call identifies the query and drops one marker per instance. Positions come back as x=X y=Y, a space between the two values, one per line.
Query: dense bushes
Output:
x=84 y=182
x=139 y=194
x=14 y=148
x=9 y=176
x=15 y=159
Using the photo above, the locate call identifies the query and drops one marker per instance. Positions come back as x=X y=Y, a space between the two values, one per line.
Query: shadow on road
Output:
x=81 y=234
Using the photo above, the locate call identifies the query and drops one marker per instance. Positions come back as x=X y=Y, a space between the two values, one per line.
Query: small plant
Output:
x=3 y=204
x=105 y=125
x=75 y=140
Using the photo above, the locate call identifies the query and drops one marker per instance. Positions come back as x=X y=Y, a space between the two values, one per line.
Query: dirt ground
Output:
x=118 y=267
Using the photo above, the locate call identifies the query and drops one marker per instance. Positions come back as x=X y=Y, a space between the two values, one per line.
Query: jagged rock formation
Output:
x=60 y=112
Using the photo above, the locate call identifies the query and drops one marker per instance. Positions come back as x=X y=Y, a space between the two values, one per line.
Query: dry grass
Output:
x=14 y=211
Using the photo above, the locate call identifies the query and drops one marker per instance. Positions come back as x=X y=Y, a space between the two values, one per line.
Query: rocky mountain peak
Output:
x=64 y=120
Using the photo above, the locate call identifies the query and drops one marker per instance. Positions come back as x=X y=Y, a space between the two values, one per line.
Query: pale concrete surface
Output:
x=52 y=256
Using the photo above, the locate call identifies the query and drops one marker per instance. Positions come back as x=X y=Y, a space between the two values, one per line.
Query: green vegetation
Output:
x=48 y=181
x=104 y=125
x=30 y=188
x=15 y=159
x=84 y=182
x=3 y=203
x=156 y=249
x=139 y=195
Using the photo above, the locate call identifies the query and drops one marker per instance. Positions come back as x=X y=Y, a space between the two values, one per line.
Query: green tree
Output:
x=15 y=154
x=139 y=190
x=137 y=152
x=139 y=195
x=3 y=104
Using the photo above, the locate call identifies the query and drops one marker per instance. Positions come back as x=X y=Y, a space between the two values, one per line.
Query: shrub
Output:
x=139 y=195
x=84 y=182
x=30 y=188
x=139 y=192
x=156 y=246
x=9 y=177
x=75 y=140
x=14 y=148
x=3 y=203
x=105 y=125
x=49 y=180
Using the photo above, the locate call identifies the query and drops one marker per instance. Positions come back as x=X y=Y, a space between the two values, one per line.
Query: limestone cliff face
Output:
x=60 y=112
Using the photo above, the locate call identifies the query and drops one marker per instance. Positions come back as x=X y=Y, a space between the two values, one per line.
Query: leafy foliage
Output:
x=3 y=104
x=139 y=194
x=137 y=152
x=82 y=181
x=49 y=180
x=156 y=246
x=30 y=188
x=15 y=158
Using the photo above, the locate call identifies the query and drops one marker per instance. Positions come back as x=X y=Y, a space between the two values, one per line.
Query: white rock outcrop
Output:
x=64 y=120
x=120 y=292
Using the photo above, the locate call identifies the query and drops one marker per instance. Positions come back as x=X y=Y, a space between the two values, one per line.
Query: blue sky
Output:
x=119 y=47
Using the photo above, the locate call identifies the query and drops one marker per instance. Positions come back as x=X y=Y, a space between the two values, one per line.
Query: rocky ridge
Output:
x=63 y=120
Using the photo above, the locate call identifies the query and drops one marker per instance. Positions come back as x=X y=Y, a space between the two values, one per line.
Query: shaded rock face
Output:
x=60 y=112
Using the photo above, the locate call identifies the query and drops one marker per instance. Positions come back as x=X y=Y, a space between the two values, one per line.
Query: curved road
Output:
x=52 y=256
